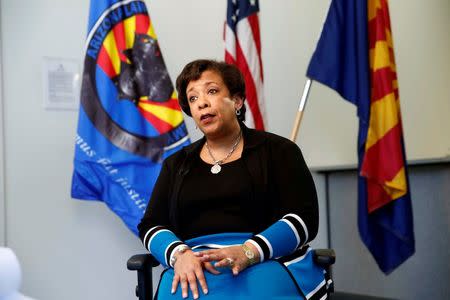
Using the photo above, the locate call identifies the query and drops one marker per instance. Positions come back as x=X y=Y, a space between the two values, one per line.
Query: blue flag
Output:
x=129 y=118
x=349 y=58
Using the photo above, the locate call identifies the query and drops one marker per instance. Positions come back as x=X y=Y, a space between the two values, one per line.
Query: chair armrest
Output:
x=324 y=257
x=141 y=262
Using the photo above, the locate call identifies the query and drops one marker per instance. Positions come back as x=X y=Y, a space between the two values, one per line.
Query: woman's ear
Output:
x=238 y=102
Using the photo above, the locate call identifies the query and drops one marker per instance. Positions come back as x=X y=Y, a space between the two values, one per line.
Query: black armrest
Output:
x=143 y=264
x=141 y=261
x=324 y=257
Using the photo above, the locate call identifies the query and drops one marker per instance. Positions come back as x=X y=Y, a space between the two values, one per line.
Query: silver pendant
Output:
x=216 y=168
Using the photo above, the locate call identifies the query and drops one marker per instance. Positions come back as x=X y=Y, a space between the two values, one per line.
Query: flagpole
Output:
x=301 y=108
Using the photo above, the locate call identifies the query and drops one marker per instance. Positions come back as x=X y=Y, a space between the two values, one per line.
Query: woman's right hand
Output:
x=188 y=269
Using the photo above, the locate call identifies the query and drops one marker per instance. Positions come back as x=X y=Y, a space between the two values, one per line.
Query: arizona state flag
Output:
x=355 y=57
x=129 y=118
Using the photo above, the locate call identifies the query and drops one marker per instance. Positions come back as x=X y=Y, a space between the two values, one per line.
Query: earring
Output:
x=238 y=112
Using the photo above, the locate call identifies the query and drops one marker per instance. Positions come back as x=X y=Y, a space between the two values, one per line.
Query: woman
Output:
x=234 y=209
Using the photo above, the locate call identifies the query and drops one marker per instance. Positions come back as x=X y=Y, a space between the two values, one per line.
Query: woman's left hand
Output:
x=232 y=257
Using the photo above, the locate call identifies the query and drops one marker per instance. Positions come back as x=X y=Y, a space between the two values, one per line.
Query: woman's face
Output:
x=211 y=105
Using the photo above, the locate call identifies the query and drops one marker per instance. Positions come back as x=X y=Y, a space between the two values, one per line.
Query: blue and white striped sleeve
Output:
x=281 y=238
x=295 y=204
x=162 y=244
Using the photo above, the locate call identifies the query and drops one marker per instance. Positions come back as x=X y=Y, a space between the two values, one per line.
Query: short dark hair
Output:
x=231 y=76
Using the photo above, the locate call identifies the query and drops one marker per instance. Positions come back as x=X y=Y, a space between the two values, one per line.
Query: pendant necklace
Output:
x=216 y=168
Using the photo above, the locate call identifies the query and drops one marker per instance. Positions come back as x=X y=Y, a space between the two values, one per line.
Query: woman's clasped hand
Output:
x=188 y=270
x=189 y=266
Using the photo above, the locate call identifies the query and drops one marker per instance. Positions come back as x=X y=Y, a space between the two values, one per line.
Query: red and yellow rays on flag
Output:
x=121 y=38
x=383 y=163
x=163 y=116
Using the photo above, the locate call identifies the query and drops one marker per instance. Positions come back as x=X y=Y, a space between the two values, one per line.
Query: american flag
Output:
x=243 y=48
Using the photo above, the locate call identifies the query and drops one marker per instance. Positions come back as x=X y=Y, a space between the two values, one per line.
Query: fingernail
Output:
x=195 y=296
x=172 y=291
x=184 y=295
x=205 y=291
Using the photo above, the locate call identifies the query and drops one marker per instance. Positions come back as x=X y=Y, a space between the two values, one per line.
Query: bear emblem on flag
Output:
x=144 y=73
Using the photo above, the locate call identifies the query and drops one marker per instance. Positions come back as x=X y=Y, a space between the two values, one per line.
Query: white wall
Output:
x=2 y=169
x=77 y=250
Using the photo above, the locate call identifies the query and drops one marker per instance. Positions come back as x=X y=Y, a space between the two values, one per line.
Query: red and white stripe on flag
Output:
x=243 y=48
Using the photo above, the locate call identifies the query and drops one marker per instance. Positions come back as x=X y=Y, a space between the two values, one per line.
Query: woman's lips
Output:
x=206 y=118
